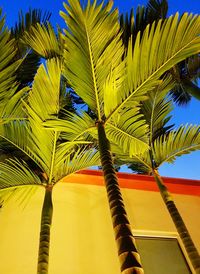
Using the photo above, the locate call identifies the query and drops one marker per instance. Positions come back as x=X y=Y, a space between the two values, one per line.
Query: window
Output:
x=162 y=255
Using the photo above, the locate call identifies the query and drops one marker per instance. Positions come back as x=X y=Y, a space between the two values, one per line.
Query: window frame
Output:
x=166 y=235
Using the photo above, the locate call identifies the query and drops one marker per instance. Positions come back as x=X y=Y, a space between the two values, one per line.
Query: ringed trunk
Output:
x=179 y=223
x=46 y=220
x=128 y=255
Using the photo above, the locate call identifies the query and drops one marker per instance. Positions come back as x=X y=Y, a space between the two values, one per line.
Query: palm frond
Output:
x=157 y=107
x=26 y=72
x=14 y=107
x=64 y=152
x=44 y=96
x=123 y=158
x=29 y=135
x=193 y=67
x=20 y=194
x=6 y=45
x=16 y=173
x=27 y=20
x=130 y=131
x=139 y=168
x=115 y=90
x=16 y=133
x=43 y=40
x=74 y=127
x=180 y=95
x=31 y=62
x=132 y=24
x=186 y=75
x=7 y=66
x=157 y=9
x=158 y=50
x=43 y=103
x=81 y=159
x=42 y=143
x=92 y=48
x=178 y=142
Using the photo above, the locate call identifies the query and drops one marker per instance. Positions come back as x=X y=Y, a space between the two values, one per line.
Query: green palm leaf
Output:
x=157 y=107
x=8 y=52
x=31 y=62
x=45 y=144
x=8 y=68
x=43 y=40
x=122 y=157
x=20 y=194
x=16 y=173
x=92 y=47
x=186 y=75
x=129 y=131
x=14 y=107
x=17 y=181
x=46 y=88
x=176 y=143
x=29 y=136
x=44 y=96
x=159 y=49
x=31 y=18
x=73 y=126
x=17 y=133
x=80 y=159
x=131 y=25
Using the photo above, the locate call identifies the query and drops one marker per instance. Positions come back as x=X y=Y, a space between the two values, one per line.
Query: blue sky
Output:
x=186 y=166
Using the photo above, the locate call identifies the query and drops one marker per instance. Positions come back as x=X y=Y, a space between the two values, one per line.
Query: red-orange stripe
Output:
x=134 y=181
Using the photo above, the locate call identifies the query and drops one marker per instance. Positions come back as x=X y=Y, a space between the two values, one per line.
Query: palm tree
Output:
x=49 y=155
x=166 y=145
x=94 y=68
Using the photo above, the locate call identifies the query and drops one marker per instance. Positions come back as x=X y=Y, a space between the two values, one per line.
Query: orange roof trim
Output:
x=135 y=181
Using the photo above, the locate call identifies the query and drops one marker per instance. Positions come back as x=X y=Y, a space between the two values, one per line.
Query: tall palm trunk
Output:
x=179 y=223
x=127 y=252
x=46 y=219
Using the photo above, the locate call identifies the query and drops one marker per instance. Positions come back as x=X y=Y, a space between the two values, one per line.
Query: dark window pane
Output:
x=161 y=256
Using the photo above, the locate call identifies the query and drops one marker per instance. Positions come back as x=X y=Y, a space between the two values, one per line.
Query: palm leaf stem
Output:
x=46 y=220
x=127 y=252
x=179 y=223
x=93 y=73
x=53 y=157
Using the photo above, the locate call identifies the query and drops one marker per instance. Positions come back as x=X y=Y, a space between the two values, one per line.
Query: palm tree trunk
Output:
x=46 y=219
x=179 y=223
x=127 y=252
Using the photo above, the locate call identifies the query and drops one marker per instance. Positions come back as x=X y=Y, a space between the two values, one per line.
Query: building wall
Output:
x=82 y=239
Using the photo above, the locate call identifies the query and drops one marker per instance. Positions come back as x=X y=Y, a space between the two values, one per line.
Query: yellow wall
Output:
x=82 y=241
